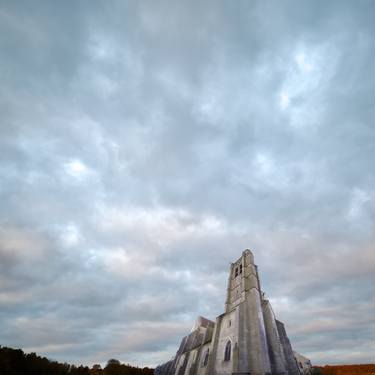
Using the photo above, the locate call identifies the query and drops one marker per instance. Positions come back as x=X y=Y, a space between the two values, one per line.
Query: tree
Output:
x=113 y=361
x=96 y=370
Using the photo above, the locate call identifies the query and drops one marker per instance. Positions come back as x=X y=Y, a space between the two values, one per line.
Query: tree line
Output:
x=16 y=362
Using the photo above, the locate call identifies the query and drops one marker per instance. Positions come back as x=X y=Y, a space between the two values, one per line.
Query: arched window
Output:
x=205 y=359
x=227 y=351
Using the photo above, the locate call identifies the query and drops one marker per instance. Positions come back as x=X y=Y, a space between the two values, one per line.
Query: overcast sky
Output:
x=145 y=144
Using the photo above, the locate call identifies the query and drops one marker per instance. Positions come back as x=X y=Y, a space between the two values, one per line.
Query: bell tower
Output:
x=243 y=276
x=244 y=300
x=245 y=340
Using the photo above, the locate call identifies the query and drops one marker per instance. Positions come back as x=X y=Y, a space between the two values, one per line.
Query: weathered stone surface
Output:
x=303 y=363
x=291 y=363
x=245 y=340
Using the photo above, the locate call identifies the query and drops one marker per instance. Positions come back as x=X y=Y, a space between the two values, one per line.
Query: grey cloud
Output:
x=144 y=145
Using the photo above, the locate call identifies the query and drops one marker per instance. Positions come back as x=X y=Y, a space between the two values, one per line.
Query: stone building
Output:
x=245 y=339
x=303 y=363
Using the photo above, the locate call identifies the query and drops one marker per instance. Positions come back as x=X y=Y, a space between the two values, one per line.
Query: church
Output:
x=245 y=339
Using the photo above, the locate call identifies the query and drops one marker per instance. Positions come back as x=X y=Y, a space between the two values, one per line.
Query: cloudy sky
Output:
x=145 y=144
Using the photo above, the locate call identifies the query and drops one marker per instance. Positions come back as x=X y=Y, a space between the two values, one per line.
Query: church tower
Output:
x=245 y=340
x=243 y=307
x=243 y=276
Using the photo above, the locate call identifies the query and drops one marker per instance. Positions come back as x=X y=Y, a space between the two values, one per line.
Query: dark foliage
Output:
x=16 y=362
x=316 y=371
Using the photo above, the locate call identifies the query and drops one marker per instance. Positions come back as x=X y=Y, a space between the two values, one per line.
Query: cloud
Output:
x=145 y=145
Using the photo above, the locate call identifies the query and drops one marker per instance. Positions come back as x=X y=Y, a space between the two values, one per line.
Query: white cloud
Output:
x=77 y=169
x=306 y=81
x=303 y=62
x=163 y=225
x=284 y=100
x=102 y=48
x=357 y=203
x=70 y=235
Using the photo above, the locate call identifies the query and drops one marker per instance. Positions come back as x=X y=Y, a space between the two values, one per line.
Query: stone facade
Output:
x=246 y=339
x=303 y=363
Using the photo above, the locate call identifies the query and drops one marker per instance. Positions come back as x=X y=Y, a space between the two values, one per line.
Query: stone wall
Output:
x=291 y=363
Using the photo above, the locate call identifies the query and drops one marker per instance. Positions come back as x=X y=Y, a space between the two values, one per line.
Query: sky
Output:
x=146 y=144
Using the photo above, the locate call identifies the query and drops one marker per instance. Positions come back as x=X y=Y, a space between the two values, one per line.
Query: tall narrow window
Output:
x=205 y=359
x=236 y=272
x=240 y=268
x=227 y=351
